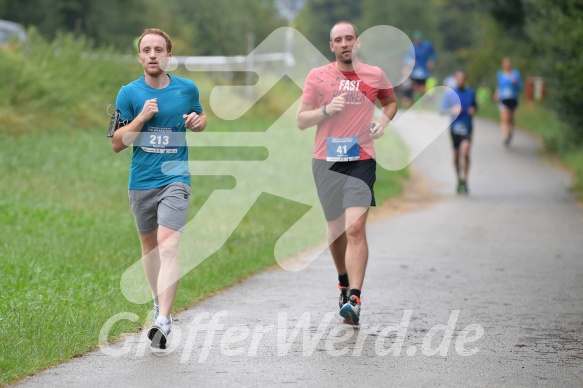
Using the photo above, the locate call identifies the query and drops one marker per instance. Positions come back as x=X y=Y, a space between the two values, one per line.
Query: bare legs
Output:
x=160 y=251
x=348 y=244
x=507 y=124
x=461 y=160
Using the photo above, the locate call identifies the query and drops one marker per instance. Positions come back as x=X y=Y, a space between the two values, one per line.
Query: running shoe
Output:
x=351 y=310
x=344 y=294
x=463 y=187
x=159 y=332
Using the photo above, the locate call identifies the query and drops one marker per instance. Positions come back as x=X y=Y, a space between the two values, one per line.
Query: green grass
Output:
x=543 y=123
x=68 y=234
x=66 y=229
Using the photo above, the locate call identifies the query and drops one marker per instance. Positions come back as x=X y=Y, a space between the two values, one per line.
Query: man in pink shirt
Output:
x=340 y=99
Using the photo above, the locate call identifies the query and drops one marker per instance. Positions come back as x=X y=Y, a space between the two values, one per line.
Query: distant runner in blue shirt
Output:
x=420 y=60
x=157 y=109
x=509 y=87
x=461 y=104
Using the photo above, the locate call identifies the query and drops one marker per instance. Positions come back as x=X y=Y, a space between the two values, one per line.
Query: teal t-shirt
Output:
x=160 y=153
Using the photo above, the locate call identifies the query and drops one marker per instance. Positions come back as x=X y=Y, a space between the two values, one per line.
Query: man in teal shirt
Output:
x=157 y=109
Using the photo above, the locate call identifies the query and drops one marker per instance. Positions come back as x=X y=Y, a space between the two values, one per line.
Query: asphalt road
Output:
x=483 y=290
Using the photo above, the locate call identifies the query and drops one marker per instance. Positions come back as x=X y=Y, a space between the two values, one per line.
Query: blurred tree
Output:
x=509 y=14
x=223 y=26
x=105 y=22
x=408 y=16
x=556 y=31
x=457 y=29
x=43 y=14
x=206 y=27
x=318 y=16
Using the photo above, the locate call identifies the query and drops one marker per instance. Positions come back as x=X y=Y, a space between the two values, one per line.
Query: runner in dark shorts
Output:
x=458 y=139
x=509 y=103
x=341 y=185
x=419 y=82
x=339 y=98
x=419 y=61
x=507 y=93
x=461 y=104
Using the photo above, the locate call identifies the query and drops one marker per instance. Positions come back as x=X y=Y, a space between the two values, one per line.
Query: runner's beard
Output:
x=154 y=73
x=347 y=60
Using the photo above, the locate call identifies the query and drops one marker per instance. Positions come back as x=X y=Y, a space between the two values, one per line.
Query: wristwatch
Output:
x=324 y=110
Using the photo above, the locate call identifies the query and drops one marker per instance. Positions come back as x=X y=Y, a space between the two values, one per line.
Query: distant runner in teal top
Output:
x=509 y=87
x=156 y=110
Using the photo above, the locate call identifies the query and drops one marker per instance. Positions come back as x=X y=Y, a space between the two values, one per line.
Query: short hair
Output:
x=156 y=31
x=344 y=22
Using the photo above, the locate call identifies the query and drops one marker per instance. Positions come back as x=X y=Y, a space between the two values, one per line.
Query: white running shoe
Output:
x=159 y=332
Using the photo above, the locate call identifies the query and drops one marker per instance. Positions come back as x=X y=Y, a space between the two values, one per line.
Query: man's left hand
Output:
x=192 y=121
x=376 y=131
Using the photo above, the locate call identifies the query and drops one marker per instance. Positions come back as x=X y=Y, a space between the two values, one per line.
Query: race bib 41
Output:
x=342 y=149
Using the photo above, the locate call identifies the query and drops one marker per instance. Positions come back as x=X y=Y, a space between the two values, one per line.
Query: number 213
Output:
x=159 y=140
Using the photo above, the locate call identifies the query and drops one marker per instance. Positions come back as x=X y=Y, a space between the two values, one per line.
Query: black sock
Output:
x=355 y=292
x=343 y=279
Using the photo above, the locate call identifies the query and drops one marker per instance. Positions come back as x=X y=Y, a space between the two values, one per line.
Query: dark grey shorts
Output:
x=341 y=185
x=166 y=206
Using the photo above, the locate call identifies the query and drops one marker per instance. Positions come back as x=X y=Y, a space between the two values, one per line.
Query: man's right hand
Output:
x=456 y=110
x=336 y=105
x=125 y=136
x=149 y=110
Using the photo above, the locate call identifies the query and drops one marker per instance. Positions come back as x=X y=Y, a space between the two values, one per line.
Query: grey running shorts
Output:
x=341 y=185
x=166 y=206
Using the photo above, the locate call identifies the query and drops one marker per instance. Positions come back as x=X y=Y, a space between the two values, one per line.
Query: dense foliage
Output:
x=217 y=27
x=541 y=36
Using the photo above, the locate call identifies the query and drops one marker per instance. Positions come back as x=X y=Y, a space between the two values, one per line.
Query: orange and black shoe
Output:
x=351 y=310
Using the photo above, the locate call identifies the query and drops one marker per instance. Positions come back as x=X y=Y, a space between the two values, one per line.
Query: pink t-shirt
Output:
x=362 y=89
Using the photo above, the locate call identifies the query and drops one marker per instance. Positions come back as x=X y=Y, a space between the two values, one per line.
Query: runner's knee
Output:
x=168 y=250
x=356 y=231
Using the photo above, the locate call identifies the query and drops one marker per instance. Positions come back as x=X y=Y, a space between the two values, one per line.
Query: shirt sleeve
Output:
x=431 y=51
x=386 y=89
x=124 y=104
x=410 y=56
x=195 y=105
x=309 y=93
x=448 y=102
x=519 y=80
